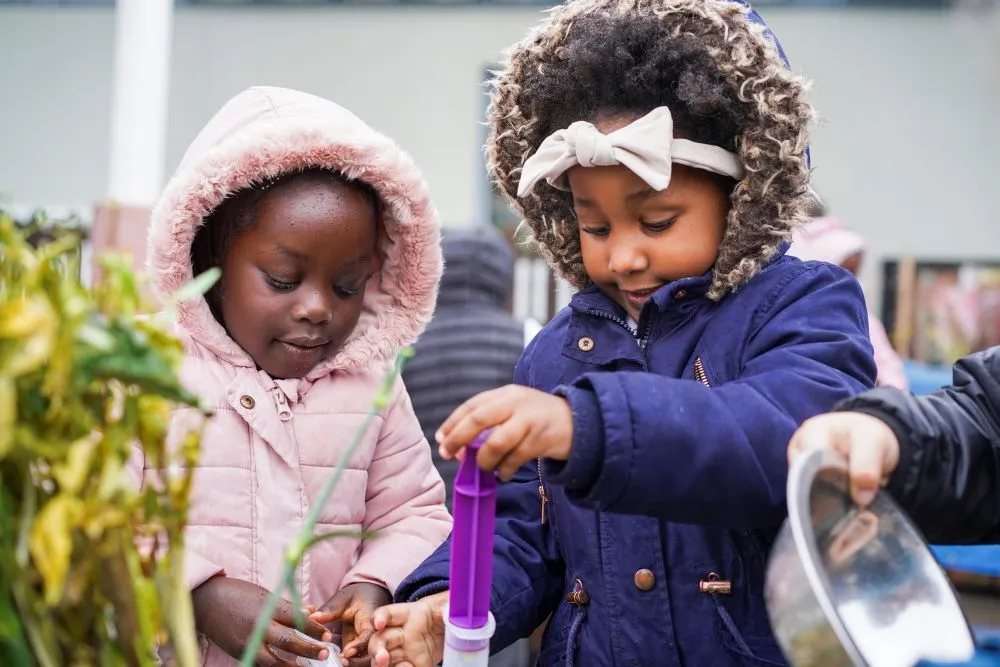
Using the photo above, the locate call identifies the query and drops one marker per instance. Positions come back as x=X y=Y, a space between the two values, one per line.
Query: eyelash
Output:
x=282 y=286
x=655 y=227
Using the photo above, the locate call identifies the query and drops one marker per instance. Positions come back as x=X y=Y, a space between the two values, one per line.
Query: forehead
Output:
x=320 y=218
x=620 y=183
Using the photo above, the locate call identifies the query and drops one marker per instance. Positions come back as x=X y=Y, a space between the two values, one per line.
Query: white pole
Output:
x=143 y=35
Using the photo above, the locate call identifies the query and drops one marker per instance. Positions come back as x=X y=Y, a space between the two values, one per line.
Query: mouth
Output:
x=636 y=298
x=304 y=343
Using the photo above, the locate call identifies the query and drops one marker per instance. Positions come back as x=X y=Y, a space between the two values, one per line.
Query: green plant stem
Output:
x=295 y=551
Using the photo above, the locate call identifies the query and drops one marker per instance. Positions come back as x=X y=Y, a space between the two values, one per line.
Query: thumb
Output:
x=334 y=608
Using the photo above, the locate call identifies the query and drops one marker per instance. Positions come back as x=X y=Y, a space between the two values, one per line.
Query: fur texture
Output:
x=266 y=132
x=766 y=205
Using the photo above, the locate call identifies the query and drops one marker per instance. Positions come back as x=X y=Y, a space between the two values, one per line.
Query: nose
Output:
x=627 y=256
x=314 y=307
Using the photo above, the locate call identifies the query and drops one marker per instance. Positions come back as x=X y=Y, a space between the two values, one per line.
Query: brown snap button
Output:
x=247 y=401
x=586 y=344
x=680 y=294
x=645 y=580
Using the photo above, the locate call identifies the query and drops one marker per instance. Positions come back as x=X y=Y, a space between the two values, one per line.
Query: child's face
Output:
x=293 y=284
x=634 y=239
x=853 y=263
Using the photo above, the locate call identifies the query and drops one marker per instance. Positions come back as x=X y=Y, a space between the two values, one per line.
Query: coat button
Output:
x=247 y=401
x=645 y=580
x=586 y=344
x=680 y=294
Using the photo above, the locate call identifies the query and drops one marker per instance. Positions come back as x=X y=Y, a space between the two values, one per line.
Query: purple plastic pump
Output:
x=474 y=503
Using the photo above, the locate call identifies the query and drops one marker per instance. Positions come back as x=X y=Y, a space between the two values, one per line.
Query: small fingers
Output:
x=385 y=641
x=866 y=453
x=499 y=451
x=287 y=639
x=391 y=616
x=268 y=658
x=479 y=413
x=313 y=626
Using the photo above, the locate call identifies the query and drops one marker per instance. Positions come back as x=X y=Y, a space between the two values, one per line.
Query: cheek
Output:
x=247 y=306
x=594 y=254
x=349 y=317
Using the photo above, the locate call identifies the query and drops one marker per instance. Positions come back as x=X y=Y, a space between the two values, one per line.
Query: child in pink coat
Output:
x=827 y=239
x=329 y=250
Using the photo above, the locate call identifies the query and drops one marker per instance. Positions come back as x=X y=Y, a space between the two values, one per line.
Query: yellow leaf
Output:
x=51 y=543
x=74 y=472
x=26 y=317
x=8 y=414
x=30 y=355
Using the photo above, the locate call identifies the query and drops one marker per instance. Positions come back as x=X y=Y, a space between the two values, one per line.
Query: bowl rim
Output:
x=800 y=479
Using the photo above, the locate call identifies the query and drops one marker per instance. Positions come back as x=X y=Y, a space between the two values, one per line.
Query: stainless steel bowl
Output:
x=857 y=587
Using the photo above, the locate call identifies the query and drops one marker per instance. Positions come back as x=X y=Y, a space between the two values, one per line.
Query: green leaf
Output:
x=198 y=286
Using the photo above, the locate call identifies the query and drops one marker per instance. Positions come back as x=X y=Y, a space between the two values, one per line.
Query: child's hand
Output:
x=527 y=424
x=868 y=444
x=226 y=610
x=409 y=635
x=352 y=608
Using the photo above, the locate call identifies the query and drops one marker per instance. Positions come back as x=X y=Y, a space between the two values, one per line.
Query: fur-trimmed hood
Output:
x=262 y=133
x=766 y=205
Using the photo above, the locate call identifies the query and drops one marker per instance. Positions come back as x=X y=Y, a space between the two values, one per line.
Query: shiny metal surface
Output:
x=851 y=587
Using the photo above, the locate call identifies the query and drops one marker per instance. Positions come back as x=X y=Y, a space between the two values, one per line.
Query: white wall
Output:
x=907 y=149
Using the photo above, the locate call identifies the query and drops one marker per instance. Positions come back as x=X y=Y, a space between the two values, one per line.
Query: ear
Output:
x=378 y=260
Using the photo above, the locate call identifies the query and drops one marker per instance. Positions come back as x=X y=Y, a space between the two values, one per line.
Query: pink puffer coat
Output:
x=272 y=444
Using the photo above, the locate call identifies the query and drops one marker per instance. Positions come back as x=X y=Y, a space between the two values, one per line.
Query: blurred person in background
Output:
x=471 y=345
x=828 y=239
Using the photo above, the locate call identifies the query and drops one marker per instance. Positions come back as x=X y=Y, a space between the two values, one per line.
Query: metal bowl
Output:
x=857 y=587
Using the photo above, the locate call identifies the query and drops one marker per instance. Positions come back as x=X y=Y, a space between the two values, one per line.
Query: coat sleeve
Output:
x=679 y=450
x=948 y=477
x=527 y=567
x=404 y=501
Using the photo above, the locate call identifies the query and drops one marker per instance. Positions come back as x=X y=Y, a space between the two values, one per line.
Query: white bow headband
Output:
x=646 y=146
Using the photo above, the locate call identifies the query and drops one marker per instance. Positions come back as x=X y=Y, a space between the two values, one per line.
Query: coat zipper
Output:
x=614 y=318
x=699 y=373
x=541 y=492
x=284 y=412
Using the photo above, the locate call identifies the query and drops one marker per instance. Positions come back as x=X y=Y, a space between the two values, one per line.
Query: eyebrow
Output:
x=283 y=250
x=295 y=254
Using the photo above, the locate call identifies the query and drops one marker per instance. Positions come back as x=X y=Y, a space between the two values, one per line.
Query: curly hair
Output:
x=716 y=70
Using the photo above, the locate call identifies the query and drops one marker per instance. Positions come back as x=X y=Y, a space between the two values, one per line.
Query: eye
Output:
x=280 y=285
x=661 y=226
x=596 y=231
x=347 y=292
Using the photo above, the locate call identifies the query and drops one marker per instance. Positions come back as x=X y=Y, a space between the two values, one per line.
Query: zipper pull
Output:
x=284 y=412
x=545 y=502
x=541 y=491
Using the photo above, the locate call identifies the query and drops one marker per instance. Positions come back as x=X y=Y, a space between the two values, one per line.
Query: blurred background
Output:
x=101 y=98
x=100 y=102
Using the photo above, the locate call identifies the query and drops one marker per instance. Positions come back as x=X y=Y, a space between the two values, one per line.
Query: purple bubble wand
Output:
x=469 y=625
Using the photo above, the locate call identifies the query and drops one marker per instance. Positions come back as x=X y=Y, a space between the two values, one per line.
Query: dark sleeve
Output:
x=527 y=567
x=676 y=449
x=948 y=477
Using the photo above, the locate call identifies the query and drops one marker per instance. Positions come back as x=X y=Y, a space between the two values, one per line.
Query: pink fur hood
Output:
x=264 y=132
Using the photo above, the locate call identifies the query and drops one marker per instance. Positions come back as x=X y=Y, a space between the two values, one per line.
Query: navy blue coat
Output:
x=656 y=530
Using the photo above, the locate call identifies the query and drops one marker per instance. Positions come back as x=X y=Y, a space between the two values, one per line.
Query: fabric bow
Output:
x=646 y=146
